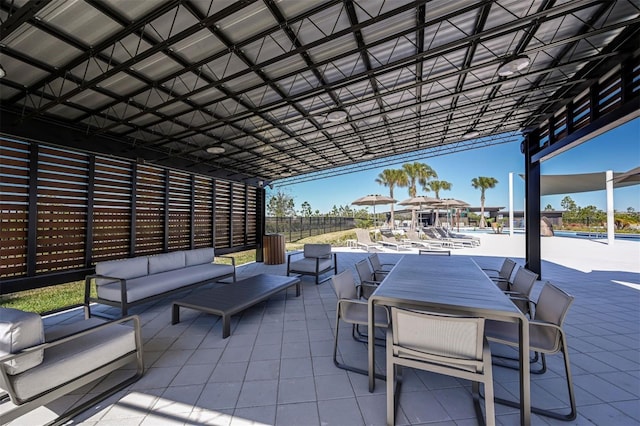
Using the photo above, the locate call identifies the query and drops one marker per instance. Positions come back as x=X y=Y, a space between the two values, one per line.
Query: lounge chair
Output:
x=445 y=233
x=435 y=240
x=353 y=310
x=413 y=238
x=449 y=345
x=546 y=337
x=364 y=239
x=456 y=242
x=393 y=242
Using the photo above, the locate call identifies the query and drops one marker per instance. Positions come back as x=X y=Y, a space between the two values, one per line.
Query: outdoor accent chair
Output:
x=39 y=366
x=546 y=336
x=378 y=266
x=317 y=259
x=520 y=289
x=502 y=276
x=450 y=345
x=364 y=239
x=369 y=279
x=353 y=310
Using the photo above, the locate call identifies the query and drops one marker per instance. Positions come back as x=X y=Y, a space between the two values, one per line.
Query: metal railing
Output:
x=297 y=228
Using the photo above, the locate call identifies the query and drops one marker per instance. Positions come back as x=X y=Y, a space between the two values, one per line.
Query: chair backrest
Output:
x=413 y=235
x=364 y=271
x=363 y=236
x=375 y=262
x=523 y=281
x=450 y=340
x=317 y=250
x=552 y=307
x=344 y=285
x=507 y=268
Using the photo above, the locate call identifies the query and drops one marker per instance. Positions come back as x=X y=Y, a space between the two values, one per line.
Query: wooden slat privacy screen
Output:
x=87 y=208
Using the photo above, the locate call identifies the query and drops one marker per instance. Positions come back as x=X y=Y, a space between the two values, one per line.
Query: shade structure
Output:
x=372 y=200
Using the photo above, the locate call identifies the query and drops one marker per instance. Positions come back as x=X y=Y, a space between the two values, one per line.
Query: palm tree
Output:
x=391 y=178
x=483 y=183
x=417 y=173
x=438 y=185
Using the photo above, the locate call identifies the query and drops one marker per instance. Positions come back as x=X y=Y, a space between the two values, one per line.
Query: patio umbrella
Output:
x=419 y=201
x=449 y=203
x=372 y=200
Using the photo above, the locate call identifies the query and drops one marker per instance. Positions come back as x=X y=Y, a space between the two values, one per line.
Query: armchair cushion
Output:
x=166 y=262
x=126 y=268
x=308 y=264
x=20 y=330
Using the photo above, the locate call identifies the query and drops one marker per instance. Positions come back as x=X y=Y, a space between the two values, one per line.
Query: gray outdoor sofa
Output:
x=38 y=365
x=128 y=282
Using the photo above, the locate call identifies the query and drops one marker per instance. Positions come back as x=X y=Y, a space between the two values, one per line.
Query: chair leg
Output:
x=572 y=399
x=345 y=366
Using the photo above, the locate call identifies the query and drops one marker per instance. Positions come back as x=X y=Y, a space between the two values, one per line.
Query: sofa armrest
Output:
x=233 y=259
x=87 y=290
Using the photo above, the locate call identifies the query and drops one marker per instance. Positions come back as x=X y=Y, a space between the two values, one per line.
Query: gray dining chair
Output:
x=378 y=266
x=449 y=345
x=502 y=276
x=432 y=252
x=353 y=310
x=521 y=289
x=546 y=337
x=369 y=280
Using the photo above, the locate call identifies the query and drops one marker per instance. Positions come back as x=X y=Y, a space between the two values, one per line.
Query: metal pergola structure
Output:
x=262 y=91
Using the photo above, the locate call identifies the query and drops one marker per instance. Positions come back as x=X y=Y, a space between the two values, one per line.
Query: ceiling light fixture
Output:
x=471 y=134
x=337 y=115
x=3 y=73
x=367 y=155
x=215 y=150
x=514 y=65
x=286 y=173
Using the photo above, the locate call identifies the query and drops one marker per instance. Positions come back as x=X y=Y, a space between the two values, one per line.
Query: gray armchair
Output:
x=38 y=367
x=316 y=259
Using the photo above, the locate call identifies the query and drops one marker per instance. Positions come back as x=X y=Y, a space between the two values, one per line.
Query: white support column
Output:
x=610 y=218
x=511 y=204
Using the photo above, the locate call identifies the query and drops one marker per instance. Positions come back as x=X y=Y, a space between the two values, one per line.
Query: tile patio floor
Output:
x=276 y=368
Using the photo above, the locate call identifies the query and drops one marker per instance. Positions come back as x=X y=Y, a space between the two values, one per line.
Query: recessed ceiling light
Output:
x=286 y=173
x=337 y=115
x=367 y=155
x=215 y=150
x=472 y=134
x=3 y=73
x=514 y=65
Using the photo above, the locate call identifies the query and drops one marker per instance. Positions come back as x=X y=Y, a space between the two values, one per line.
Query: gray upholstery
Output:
x=521 y=288
x=63 y=363
x=166 y=262
x=316 y=260
x=200 y=256
x=20 y=330
x=449 y=345
x=147 y=277
x=125 y=268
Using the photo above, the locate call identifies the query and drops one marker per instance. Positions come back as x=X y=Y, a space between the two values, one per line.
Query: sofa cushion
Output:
x=125 y=268
x=200 y=256
x=317 y=250
x=20 y=330
x=73 y=359
x=166 y=262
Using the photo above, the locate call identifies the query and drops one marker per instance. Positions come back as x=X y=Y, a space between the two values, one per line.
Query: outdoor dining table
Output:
x=452 y=285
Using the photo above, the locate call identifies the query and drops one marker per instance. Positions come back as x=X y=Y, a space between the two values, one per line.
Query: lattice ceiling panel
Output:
x=297 y=87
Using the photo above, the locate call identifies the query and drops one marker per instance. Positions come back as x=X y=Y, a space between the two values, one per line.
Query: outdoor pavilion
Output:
x=156 y=126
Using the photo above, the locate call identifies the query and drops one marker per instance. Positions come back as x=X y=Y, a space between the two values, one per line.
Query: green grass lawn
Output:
x=55 y=298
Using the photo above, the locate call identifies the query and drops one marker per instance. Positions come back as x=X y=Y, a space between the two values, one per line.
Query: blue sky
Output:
x=617 y=150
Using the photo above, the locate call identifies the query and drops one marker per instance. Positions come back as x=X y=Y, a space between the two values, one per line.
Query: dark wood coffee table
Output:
x=233 y=298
